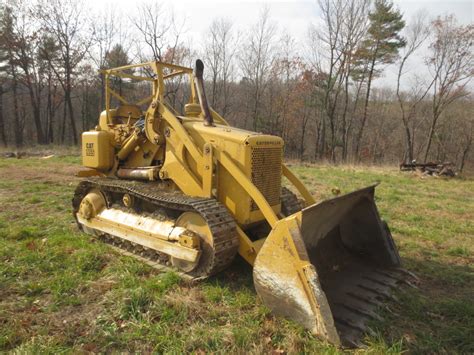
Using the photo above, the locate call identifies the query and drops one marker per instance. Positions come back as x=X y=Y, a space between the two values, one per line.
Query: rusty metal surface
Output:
x=266 y=173
x=198 y=73
x=289 y=202
x=356 y=293
x=214 y=259
x=138 y=173
x=288 y=284
x=330 y=267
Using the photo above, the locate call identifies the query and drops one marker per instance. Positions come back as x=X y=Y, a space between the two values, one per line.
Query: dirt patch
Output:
x=31 y=318
x=62 y=174
x=190 y=298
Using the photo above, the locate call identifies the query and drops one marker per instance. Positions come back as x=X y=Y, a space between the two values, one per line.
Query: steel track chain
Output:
x=220 y=222
x=289 y=202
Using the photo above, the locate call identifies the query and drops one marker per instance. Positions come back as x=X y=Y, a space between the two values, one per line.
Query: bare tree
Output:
x=331 y=64
x=106 y=32
x=354 y=29
x=3 y=72
x=416 y=34
x=47 y=50
x=258 y=79
x=158 y=29
x=256 y=59
x=285 y=74
x=304 y=90
x=452 y=66
x=26 y=49
x=64 y=20
x=219 y=50
x=345 y=24
x=466 y=149
x=22 y=39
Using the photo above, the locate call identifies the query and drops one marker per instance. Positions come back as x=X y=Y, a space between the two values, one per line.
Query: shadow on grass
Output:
x=237 y=277
x=437 y=316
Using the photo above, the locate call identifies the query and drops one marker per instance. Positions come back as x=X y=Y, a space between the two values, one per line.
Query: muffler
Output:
x=329 y=267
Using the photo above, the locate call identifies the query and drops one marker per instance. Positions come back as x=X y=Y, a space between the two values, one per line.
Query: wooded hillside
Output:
x=320 y=93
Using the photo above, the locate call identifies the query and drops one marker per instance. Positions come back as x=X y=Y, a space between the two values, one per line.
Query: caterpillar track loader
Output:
x=190 y=192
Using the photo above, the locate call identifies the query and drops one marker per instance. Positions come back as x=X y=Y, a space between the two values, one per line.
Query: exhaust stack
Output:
x=198 y=74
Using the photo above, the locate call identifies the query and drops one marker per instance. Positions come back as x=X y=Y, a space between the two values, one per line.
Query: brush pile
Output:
x=433 y=169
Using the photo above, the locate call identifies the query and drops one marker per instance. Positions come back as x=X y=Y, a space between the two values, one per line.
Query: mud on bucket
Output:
x=329 y=267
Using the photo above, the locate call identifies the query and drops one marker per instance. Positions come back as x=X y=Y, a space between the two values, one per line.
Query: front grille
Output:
x=266 y=173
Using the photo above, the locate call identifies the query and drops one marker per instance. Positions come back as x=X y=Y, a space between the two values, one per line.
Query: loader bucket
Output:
x=329 y=267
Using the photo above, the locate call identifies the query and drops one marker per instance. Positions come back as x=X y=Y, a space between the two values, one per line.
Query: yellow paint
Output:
x=97 y=152
x=208 y=170
x=246 y=247
x=242 y=169
x=309 y=199
x=164 y=236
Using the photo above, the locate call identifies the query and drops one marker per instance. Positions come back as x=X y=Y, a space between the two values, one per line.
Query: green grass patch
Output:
x=458 y=251
x=63 y=292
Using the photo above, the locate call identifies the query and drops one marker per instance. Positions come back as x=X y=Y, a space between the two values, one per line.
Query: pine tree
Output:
x=9 y=73
x=380 y=47
x=114 y=58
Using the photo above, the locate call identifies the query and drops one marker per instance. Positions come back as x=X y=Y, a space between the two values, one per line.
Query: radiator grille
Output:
x=266 y=173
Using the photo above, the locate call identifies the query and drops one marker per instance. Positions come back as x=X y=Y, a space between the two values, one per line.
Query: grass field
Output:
x=60 y=291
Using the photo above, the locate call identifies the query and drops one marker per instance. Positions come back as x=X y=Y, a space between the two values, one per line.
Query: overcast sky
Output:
x=291 y=16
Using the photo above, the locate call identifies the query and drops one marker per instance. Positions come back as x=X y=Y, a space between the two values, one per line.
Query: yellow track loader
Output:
x=189 y=192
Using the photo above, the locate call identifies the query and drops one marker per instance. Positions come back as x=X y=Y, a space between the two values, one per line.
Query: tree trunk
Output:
x=214 y=90
x=409 y=144
x=71 y=115
x=102 y=94
x=465 y=153
x=50 y=110
x=255 y=110
x=83 y=111
x=430 y=135
x=17 y=126
x=68 y=101
x=303 y=134
x=63 y=126
x=322 y=141
x=352 y=116
x=2 y=121
x=35 y=108
x=344 y=117
x=366 y=109
x=429 y=141
x=38 y=126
